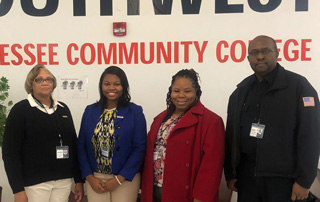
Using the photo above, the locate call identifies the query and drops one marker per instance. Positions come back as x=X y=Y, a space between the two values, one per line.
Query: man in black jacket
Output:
x=273 y=131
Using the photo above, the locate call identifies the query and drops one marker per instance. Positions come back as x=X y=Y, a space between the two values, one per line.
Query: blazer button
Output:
x=187 y=142
x=118 y=137
x=187 y=165
x=186 y=187
x=118 y=148
x=117 y=126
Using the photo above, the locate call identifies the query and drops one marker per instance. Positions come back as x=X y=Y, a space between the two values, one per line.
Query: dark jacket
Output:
x=290 y=146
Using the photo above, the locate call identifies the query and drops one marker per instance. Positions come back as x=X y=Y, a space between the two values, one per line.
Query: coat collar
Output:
x=280 y=81
x=121 y=113
x=190 y=118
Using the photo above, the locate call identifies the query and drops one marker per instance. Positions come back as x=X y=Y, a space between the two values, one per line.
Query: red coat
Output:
x=194 y=158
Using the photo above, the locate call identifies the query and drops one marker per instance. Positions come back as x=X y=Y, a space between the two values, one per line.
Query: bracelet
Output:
x=118 y=180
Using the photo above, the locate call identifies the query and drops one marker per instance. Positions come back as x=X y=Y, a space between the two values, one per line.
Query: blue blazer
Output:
x=130 y=144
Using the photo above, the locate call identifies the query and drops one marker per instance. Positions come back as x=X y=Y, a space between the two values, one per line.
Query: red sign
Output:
x=119 y=28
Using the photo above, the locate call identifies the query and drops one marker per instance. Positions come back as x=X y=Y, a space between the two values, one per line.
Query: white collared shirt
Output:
x=46 y=108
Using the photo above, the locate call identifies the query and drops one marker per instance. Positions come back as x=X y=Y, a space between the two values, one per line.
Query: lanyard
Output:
x=56 y=118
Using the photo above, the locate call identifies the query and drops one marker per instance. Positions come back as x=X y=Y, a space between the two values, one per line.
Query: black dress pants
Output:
x=253 y=188
x=157 y=193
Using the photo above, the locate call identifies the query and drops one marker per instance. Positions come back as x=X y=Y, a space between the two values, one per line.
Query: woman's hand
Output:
x=78 y=192
x=96 y=184
x=20 y=197
x=112 y=184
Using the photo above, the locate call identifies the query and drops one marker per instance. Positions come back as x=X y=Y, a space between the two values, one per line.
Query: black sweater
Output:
x=29 y=146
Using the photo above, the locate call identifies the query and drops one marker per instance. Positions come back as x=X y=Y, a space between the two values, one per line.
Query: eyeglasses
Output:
x=264 y=52
x=40 y=80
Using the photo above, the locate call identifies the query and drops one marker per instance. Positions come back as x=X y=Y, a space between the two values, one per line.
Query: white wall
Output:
x=149 y=82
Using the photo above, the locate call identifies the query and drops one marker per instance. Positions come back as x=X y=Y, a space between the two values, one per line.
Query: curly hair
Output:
x=184 y=73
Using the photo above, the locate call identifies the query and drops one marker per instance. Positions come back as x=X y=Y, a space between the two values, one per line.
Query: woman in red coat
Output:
x=185 y=147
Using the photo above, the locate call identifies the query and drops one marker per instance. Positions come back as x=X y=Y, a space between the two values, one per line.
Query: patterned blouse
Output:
x=103 y=141
x=159 y=152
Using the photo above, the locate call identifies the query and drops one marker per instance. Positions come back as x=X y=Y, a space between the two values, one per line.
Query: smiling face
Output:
x=42 y=85
x=183 y=94
x=265 y=59
x=112 y=89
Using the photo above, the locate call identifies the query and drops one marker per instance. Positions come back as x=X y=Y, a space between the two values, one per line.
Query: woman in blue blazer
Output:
x=112 y=141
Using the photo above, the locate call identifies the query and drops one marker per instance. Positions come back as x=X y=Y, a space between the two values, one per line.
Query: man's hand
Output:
x=231 y=185
x=299 y=192
x=20 y=197
x=78 y=192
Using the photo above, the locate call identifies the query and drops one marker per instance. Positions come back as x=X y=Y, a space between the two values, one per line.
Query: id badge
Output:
x=257 y=130
x=62 y=152
x=155 y=156
x=104 y=152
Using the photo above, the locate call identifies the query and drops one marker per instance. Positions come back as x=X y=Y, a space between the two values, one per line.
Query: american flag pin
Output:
x=308 y=101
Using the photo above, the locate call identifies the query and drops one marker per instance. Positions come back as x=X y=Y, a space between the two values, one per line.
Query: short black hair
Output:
x=266 y=37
